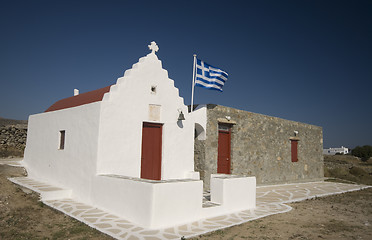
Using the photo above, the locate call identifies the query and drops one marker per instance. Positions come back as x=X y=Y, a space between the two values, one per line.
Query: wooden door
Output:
x=294 y=153
x=151 y=151
x=224 y=150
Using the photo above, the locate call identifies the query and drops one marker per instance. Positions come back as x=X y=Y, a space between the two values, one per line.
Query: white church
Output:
x=128 y=149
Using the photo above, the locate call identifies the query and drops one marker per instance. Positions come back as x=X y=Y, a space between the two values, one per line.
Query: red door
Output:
x=151 y=151
x=224 y=149
x=294 y=153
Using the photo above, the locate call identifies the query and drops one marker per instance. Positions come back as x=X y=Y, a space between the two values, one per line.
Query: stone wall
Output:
x=199 y=156
x=261 y=147
x=13 y=140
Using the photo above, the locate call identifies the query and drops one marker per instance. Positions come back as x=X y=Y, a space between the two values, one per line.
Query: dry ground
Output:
x=344 y=216
x=348 y=168
x=22 y=216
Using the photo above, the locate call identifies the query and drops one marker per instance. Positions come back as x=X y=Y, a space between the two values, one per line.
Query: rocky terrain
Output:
x=13 y=134
x=348 y=168
x=6 y=122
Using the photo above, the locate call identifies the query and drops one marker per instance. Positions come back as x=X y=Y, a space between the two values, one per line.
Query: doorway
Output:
x=224 y=149
x=151 y=151
x=294 y=150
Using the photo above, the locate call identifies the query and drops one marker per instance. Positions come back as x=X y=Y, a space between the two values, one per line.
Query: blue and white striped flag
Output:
x=209 y=77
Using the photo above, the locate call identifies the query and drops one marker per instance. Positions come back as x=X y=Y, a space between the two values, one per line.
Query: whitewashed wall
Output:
x=104 y=139
x=200 y=118
x=126 y=107
x=75 y=165
x=148 y=204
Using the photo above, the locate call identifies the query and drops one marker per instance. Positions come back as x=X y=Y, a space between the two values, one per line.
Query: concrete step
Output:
x=46 y=191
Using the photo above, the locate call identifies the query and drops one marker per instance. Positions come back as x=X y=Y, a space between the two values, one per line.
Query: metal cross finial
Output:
x=153 y=47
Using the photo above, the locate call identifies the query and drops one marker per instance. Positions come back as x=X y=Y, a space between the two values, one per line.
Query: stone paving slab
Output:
x=270 y=200
x=121 y=228
x=15 y=162
x=287 y=193
x=34 y=185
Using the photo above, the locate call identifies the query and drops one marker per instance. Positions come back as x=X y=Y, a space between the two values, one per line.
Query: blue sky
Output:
x=307 y=61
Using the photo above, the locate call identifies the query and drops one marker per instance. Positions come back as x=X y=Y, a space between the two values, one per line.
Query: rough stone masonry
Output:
x=13 y=137
x=261 y=147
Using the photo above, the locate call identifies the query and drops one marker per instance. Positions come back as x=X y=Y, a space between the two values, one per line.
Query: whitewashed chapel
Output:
x=128 y=148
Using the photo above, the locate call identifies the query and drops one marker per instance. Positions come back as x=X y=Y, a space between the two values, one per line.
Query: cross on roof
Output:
x=153 y=47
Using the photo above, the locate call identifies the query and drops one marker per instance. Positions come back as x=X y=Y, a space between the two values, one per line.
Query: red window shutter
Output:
x=294 y=152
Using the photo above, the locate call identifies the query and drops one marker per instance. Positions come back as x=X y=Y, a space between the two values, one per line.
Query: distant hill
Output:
x=6 y=122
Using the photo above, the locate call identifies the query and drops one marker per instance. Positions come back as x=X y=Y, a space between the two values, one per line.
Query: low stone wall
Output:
x=13 y=140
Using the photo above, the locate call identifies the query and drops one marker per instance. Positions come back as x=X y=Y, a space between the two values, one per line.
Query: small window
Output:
x=153 y=89
x=294 y=152
x=62 y=135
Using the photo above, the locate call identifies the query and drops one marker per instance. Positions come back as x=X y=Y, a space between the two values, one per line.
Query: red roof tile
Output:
x=81 y=99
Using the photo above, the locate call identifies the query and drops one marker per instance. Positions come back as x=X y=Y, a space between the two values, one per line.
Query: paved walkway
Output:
x=15 y=162
x=270 y=200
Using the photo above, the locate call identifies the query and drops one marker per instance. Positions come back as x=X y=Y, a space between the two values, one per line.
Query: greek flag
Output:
x=209 y=77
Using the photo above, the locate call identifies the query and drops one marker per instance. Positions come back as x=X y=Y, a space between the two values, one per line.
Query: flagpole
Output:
x=193 y=84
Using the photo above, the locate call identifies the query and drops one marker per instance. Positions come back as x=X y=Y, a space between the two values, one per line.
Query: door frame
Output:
x=159 y=173
x=294 y=150
x=228 y=131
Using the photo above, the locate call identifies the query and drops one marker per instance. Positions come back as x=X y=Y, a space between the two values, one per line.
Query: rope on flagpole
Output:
x=193 y=84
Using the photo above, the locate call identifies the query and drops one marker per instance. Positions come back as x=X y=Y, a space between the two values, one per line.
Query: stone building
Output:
x=272 y=149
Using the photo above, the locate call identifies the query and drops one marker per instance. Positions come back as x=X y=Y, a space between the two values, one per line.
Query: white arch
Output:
x=199 y=132
x=200 y=119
